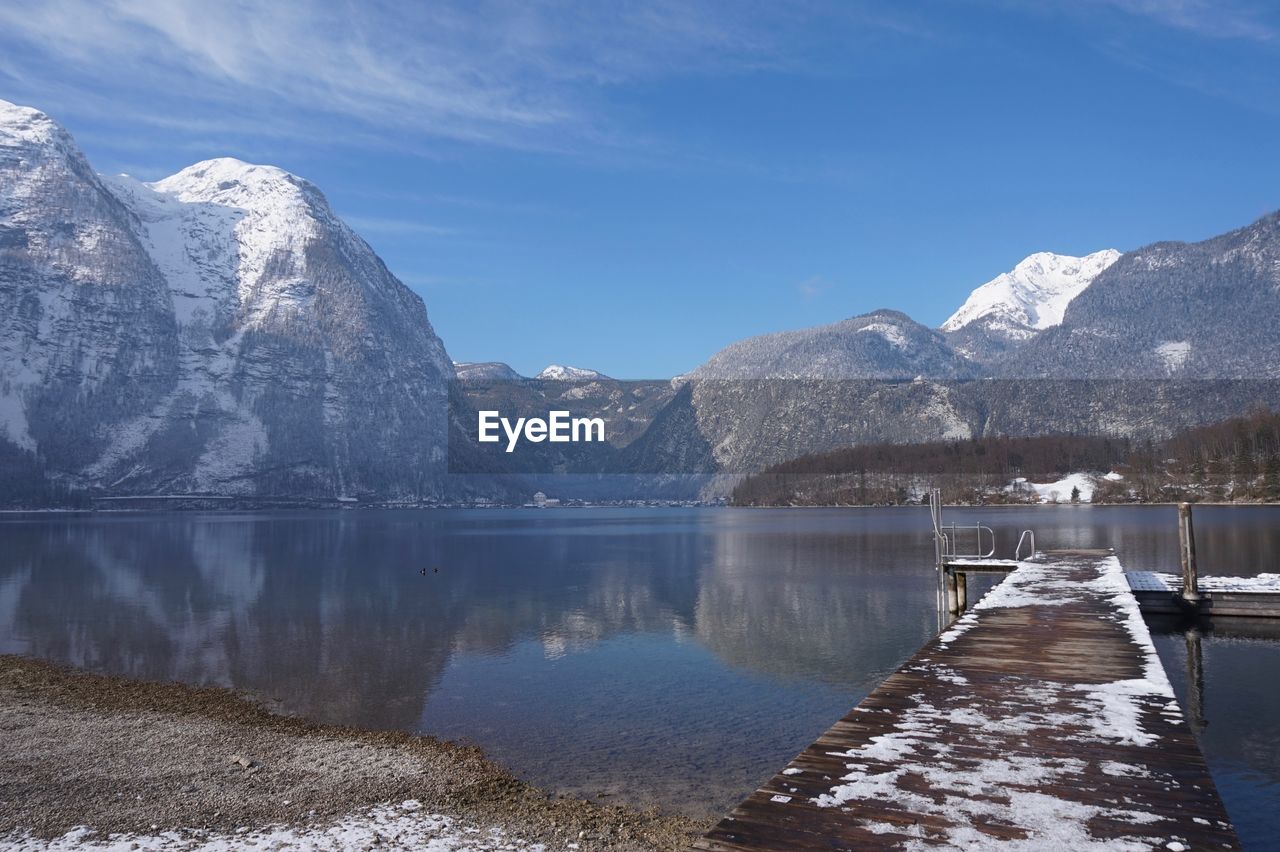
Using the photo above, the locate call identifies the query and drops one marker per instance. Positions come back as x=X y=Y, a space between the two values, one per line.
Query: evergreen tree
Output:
x=1271 y=478
x=1075 y=494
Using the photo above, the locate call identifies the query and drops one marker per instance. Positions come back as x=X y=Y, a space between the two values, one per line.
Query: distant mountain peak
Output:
x=1032 y=296
x=485 y=371
x=882 y=344
x=207 y=179
x=562 y=373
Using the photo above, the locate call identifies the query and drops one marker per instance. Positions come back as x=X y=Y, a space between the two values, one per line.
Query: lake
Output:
x=671 y=657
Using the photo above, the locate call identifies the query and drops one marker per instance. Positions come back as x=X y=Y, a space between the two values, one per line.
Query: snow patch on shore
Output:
x=1060 y=491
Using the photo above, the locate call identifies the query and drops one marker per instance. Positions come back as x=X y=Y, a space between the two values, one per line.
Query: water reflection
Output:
x=838 y=604
x=674 y=657
x=1220 y=671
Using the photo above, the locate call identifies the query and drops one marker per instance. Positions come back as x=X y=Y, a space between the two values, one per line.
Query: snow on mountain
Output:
x=1035 y=294
x=83 y=309
x=1173 y=310
x=883 y=344
x=221 y=330
x=1015 y=306
x=561 y=373
x=486 y=371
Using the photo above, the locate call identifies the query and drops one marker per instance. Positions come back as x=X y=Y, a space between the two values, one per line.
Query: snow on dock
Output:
x=1250 y=597
x=1041 y=719
x=1154 y=581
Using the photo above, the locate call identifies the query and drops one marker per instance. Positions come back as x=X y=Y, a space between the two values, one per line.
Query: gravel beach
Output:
x=90 y=759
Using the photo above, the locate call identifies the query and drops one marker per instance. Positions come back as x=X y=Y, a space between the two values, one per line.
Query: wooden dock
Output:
x=1161 y=594
x=1040 y=719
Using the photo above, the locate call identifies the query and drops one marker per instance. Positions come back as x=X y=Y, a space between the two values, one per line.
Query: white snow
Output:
x=1154 y=581
x=1060 y=491
x=1034 y=295
x=1012 y=787
x=559 y=372
x=241 y=218
x=891 y=333
x=1173 y=354
x=402 y=826
x=25 y=125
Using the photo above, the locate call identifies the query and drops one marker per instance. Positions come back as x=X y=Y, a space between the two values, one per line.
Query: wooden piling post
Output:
x=953 y=596
x=1187 y=547
x=962 y=591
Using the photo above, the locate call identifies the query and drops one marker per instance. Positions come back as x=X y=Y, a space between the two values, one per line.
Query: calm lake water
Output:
x=660 y=656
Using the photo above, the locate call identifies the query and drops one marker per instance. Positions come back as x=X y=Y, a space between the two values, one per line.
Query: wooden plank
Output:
x=1041 y=717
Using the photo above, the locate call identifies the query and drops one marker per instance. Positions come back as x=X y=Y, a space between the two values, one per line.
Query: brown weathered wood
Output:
x=1020 y=675
x=1245 y=604
x=1187 y=540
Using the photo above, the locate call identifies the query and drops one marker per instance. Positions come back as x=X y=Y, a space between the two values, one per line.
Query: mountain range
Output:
x=223 y=332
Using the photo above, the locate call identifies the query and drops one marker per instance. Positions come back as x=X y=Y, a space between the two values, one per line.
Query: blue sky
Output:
x=630 y=186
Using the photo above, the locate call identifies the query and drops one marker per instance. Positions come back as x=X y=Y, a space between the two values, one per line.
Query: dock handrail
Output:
x=978 y=529
x=1017 y=551
x=946 y=537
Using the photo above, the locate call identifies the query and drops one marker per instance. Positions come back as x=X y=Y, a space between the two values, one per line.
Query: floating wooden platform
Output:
x=1160 y=594
x=1042 y=718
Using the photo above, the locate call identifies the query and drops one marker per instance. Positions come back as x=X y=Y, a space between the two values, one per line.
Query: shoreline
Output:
x=157 y=762
x=492 y=508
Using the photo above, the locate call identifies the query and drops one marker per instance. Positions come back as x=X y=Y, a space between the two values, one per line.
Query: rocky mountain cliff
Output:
x=219 y=331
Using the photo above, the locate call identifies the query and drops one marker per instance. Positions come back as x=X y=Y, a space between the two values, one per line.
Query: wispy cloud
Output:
x=397 y=227
x=812 y=287
x=1209 y=18
x=520 y=73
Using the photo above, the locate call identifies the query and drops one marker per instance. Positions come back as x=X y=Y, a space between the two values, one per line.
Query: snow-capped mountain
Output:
x=1172 y=311
x=561 y=373
x=218 y=331
x=1015 y=306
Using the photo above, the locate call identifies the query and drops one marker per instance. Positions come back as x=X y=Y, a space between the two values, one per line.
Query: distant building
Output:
x=540 y=500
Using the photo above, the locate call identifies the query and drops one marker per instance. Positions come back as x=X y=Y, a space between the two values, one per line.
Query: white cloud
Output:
x=524 y=73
